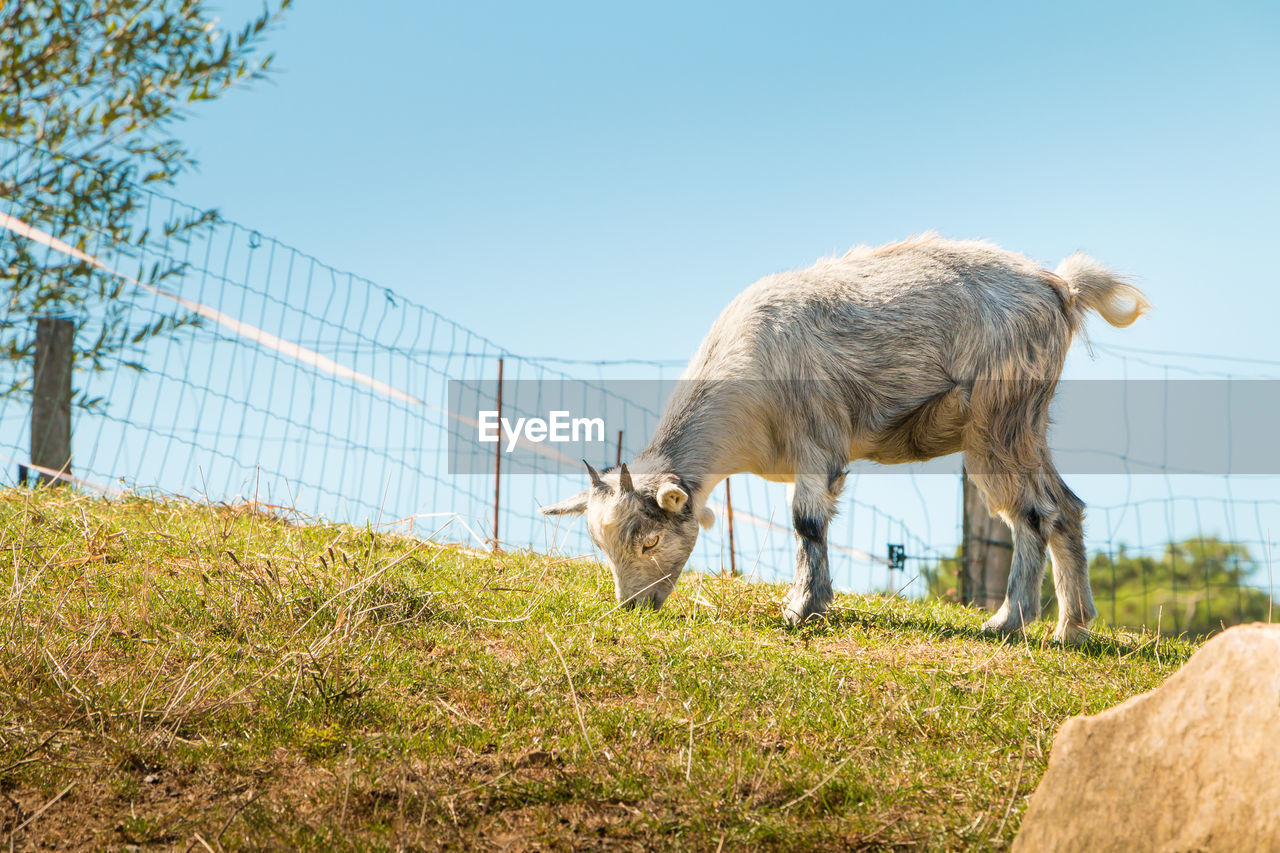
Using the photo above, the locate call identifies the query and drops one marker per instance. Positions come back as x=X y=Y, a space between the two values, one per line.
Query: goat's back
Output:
x=914 y=317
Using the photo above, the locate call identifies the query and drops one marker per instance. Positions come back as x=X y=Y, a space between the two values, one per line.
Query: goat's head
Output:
x=646 y=526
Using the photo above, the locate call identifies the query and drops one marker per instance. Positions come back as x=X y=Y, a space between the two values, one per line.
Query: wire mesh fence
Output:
x=280 y=379
x=240 y=369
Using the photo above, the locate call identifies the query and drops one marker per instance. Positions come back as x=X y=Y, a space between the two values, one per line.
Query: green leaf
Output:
x=89 y=94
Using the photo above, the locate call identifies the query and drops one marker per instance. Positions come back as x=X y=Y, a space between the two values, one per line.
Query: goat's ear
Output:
x=706 y=517
x=569 y=506
x=671 y=497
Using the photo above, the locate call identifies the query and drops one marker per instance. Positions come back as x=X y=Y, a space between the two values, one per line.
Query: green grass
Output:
x=218 y=677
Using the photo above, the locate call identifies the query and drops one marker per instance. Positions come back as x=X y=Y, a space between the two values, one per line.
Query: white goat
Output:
x=894 y=354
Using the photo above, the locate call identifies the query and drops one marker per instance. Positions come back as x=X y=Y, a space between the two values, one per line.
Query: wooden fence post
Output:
x=51 y=397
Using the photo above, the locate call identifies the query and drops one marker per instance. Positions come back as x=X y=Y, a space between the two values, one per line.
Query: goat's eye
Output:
x=649 y=541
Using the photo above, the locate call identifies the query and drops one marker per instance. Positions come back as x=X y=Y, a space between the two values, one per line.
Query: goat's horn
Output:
x=624 y=479
x=595 y=475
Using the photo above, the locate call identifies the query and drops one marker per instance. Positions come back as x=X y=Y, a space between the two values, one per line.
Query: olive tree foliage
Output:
x=90 y=93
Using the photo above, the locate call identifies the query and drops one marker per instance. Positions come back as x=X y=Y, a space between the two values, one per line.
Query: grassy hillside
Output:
x=179 y=676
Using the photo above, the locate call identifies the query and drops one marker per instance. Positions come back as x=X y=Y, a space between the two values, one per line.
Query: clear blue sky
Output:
x=597 y=181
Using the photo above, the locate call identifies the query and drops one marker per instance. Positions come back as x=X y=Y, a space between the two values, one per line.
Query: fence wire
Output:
x=241 y=400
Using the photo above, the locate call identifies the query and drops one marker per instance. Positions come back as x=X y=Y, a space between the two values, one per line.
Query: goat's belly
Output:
x=934 y=429
x=910 y=451
x=774 y=467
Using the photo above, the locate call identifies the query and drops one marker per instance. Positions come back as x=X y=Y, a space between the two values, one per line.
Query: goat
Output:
x=893 y=354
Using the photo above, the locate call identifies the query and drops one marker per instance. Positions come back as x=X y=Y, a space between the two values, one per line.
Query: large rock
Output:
x=1191 y=766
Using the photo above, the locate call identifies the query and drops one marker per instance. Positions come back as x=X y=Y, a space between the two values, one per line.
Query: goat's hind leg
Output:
x=1045 y=512
x=813 y=504
x=1022 y=596
x=1070 y=564
x=1009 y=497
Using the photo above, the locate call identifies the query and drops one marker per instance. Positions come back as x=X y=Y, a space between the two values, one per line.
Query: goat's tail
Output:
x=1092 y=286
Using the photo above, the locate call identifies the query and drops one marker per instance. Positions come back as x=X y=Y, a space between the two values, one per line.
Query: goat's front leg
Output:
x=813 y=502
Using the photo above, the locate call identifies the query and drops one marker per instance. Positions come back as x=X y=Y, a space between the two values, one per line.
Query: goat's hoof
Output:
x=1071 y=633
x=1002 y=624
x=795 y=609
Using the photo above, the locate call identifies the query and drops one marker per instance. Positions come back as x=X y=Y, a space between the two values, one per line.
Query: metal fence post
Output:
x=497 y=466
x=51 y=397
x=964 y=588
x=728 y=511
